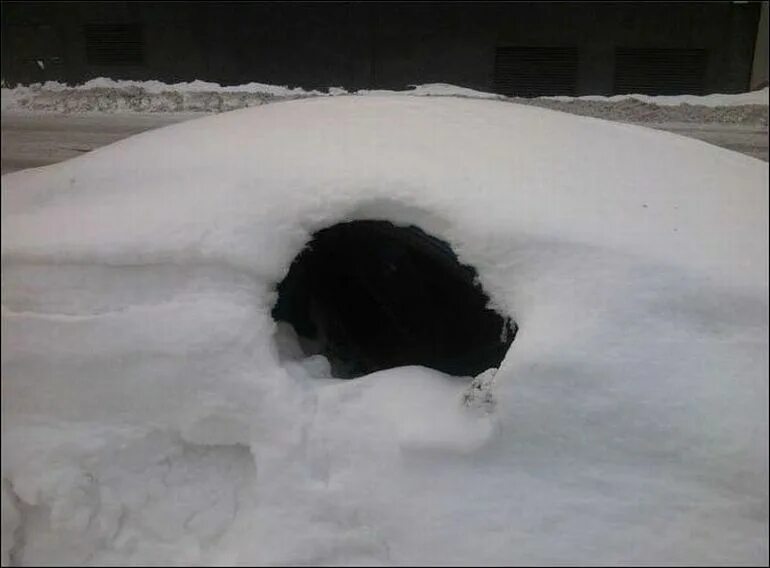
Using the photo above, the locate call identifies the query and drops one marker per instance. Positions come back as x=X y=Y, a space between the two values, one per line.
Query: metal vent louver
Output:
x=660 y=71
x=114 y=44
x=535 y=71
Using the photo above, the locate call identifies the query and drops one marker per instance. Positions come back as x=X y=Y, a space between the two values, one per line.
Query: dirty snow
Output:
x=195 y=86
x=147 y=416
x=109 y=95
x=759 y=97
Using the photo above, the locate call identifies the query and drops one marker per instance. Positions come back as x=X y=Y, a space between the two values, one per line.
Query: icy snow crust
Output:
x=147 y=416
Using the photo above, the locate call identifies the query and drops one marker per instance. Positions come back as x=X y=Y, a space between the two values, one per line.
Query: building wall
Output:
x=759 y=69
x=371 y=45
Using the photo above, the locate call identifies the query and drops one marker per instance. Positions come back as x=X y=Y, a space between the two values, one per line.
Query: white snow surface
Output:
x=152 y=412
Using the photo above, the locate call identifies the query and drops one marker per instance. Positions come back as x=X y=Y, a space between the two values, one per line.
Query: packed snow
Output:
x=150 y=414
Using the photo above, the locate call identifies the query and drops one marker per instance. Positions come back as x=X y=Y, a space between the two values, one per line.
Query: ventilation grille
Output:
x=114 y=44
x=660 y=71
x=535 y=71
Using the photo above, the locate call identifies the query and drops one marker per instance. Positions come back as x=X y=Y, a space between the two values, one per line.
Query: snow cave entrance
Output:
x=368 y=296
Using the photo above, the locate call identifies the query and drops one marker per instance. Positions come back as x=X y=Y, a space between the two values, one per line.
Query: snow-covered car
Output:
x=387 y=330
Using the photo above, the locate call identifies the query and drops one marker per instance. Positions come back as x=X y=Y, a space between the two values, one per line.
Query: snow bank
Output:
x=108 y=95
x=197 y=86
x=134 y=98
x=155 y=87
x=147 y=416
x=759 y=97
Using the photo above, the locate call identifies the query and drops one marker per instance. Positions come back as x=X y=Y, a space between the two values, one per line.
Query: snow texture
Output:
x=759 y=97
x=107 y=95
x=154 y=413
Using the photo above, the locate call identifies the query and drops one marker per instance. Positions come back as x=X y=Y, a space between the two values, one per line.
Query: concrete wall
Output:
x=759 y=69
x=371 y=45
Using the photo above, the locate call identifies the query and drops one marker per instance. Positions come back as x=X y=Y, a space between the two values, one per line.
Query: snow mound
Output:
x=434 y=90
x=149 y=418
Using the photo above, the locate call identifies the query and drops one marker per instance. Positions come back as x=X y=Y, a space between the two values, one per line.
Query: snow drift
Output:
x=150 y=413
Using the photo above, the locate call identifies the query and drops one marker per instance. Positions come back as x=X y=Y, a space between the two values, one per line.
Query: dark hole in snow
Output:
x=374 y=296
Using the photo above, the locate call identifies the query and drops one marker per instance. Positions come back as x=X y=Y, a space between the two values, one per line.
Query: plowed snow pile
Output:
x=110 y=96
x=150 y=415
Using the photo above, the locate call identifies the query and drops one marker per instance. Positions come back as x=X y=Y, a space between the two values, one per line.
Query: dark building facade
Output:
x=516 y=48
